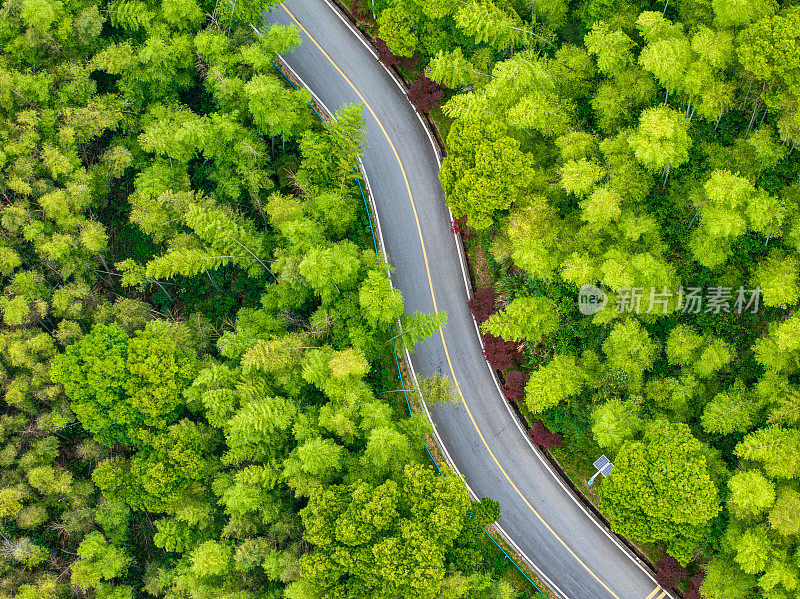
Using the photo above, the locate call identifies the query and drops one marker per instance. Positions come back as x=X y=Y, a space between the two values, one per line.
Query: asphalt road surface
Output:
x=549 y=528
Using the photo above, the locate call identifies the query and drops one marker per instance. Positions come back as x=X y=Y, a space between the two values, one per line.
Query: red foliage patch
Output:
x=693 y=592
x=458 y=224
x=408 y=63
x=500 y=354
x=386 y=56
x=544 y=437
x=668 y=571
x=390 y=59
x=515 y=385
x=482 y=304
x=359 y=11
x=425 y=94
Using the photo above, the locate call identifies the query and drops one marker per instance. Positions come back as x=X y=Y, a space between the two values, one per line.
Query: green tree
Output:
x=452 y=69
x=158 y=370
x=730 y=13
x=725 y=580
x=580 y=176
x=777 y=276
x=419 y=326
x=777 y=448
x=730 y=411
x=211 y=559
x=250 y=13
x=438 y=390
x=380 y=301
x=732 y=206
x=397 y=26
x=93 y=374
x=779 y=350
x=332 y=270
x=661 y=140
x=387 y=453
x=484 y=172
x=753 y=549
x=277 y=111
x=560 y=379
x=683 y=345
x=98 y=561
x=363 y=535
x=780 y=574
x=163 y=471
x=661 y=490
x=336 y=210
x=118 y=385
x=524 y=319
x=536 y=234
x=615 y=422
x=669 y=60
x=617 y=99
x=259 y=430
x=629 y=348
x=766 y=48
x=490 y=24
x=319 y=458
x=612 y=48
x=783 y=515
x=750 y=493
x=603 y=206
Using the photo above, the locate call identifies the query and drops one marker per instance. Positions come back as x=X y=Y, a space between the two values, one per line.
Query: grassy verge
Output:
x=518 y=574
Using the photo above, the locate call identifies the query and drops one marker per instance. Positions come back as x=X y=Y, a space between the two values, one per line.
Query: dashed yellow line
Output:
x=435 y=309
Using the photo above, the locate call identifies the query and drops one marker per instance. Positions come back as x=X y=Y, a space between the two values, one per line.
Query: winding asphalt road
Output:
x=483 y=441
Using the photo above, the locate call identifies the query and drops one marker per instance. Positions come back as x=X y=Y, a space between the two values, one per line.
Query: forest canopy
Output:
x=647 y=150
x=200 y=395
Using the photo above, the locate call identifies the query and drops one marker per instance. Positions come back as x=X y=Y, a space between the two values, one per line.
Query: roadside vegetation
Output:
x=199 y=387
x=648 y=150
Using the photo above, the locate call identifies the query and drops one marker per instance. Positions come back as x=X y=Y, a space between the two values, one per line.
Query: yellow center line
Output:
x=653 y=592
x=435 y=309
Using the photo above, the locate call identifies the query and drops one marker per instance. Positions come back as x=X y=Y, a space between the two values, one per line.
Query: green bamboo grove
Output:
x=199 y=390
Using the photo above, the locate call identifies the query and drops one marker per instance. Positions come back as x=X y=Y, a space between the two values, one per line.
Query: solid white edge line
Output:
x=461 y=254
x=492 y=372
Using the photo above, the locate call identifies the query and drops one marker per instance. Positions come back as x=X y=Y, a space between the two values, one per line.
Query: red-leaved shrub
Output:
x=408 y=63
x=386 y=56
x=390 y=59
x=482 y=303
x=458 y=224
x=500 y=354
x=425 y=94
x=544 y=437
x=668 y=571
x=515 y=385
x=693 y=592
x=359 y=11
